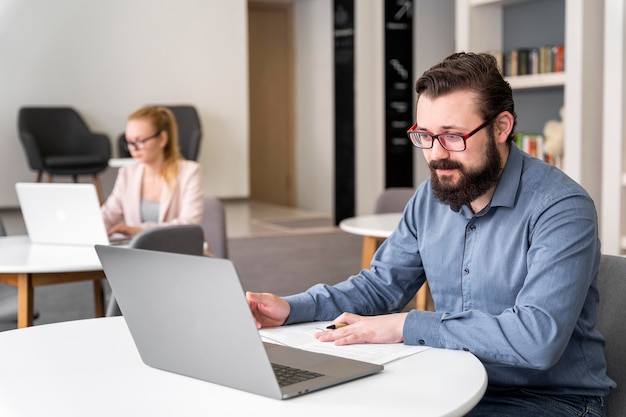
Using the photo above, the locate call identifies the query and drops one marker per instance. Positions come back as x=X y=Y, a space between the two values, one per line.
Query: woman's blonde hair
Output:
x=163 y=120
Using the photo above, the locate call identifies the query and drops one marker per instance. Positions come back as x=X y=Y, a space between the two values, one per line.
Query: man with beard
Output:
x=508 y=245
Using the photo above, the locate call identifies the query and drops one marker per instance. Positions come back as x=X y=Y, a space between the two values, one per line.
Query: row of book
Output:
x=532 y=144
x=524 y=61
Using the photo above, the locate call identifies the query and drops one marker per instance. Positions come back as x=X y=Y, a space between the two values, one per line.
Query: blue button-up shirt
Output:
x=514 y=284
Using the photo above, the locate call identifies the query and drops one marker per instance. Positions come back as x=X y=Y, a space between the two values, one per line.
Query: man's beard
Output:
x=472 y=184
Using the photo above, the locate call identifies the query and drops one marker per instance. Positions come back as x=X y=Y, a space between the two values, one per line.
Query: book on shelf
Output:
x=558 y=58
x=533 y=61
x=527 y=61
x=497 y=54
x=545 y=59
x=532 y=144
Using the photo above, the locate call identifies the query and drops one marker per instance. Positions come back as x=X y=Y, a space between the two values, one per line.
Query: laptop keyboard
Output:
x=287 y=375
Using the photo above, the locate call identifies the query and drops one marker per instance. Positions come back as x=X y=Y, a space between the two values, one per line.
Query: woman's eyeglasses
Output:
x=139 y=143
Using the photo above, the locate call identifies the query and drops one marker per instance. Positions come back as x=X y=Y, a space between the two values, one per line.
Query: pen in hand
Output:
x=336 y=326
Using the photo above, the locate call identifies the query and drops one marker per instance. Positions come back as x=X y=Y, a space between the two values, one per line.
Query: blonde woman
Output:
x=161 y=188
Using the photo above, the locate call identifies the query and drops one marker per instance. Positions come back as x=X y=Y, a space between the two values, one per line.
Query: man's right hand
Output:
x=269 y=310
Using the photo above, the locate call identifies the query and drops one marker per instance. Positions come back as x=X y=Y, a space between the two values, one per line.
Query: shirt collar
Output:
x=506 y=190
x=507 y=186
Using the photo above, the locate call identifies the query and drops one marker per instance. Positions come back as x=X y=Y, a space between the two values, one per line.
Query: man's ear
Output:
x=503 y=126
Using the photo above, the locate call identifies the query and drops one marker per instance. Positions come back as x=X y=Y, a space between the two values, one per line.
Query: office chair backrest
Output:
x=214 y=226
x=186 y=239
x=189 y=132
x=3 y=231
x=393 y=200
x=612 y=287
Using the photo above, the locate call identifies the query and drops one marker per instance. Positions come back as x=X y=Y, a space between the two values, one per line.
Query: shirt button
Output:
x=473 y=227
x=466 y=271
x=421 y=342
x=466 y=349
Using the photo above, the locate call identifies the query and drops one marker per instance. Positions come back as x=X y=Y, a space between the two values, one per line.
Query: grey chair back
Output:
x=189 y=132
x=3 y=231
x=393 y=200
x=612 y=288
x=185 y=239
x=214 y=226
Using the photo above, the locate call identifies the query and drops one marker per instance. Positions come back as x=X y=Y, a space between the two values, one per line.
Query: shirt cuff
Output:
x=302 y=308
x=421 y=328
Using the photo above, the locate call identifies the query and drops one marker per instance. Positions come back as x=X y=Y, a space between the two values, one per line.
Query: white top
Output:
x=19 y=255
x=120 y=162
x=375 y=225
x=91 y=367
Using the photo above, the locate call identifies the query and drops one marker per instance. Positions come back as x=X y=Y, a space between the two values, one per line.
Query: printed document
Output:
x=302 y=336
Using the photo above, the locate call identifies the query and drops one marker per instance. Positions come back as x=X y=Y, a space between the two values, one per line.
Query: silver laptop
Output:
x=63 y=213
x=189 y=315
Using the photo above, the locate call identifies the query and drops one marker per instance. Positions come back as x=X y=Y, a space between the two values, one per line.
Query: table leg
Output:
x=370 y=244
x=24 y=300
x=98 y=297
x=422 y=297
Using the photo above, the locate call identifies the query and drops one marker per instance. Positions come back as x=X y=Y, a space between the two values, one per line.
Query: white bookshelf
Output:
x=479 y=28
x=551 y=79
x=614 y=128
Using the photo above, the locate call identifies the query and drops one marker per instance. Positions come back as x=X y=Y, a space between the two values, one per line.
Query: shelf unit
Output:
x=480 y=28
x=614 y=128
x=552 y=79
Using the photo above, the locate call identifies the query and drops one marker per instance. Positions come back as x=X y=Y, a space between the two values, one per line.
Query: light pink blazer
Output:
x=182 y=205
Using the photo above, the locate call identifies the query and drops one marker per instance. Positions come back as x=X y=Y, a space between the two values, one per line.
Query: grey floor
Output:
x=245 y=219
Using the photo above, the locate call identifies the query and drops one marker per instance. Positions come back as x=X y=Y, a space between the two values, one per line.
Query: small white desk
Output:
x=91 y=367
x=26 y=266
x=121 y=162
x=375 y=228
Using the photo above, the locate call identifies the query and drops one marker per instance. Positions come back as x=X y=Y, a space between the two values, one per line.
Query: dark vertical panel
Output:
x=344 y=110
x=398 y=92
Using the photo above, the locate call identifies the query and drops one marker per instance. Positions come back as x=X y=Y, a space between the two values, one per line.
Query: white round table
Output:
x=92 y=368
x=26 y=265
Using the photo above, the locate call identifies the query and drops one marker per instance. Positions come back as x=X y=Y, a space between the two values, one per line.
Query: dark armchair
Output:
x=189 y=132
x=57 y=141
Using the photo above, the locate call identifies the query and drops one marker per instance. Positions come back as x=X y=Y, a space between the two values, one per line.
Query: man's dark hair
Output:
x=474 y=72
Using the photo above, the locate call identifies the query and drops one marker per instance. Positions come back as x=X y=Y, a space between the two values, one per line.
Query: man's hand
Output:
x=268 y=310
x=351 y=329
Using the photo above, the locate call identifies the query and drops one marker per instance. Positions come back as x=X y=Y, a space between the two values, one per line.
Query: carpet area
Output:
x=306 y=223
x=289 y=264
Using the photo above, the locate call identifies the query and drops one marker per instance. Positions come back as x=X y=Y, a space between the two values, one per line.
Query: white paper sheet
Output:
x=301 y=336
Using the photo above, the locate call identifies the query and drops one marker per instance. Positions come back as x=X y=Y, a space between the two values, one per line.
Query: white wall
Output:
x=370 y=103
x=315 y=133
x=433 y=40
x=107 y=58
